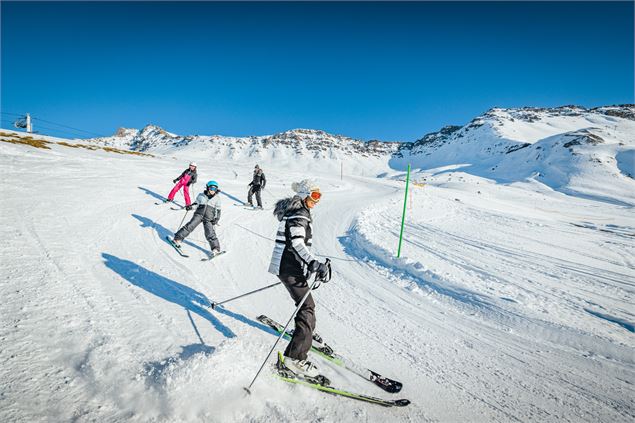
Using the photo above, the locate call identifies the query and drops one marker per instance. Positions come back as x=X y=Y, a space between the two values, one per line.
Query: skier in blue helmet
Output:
x=208 y=208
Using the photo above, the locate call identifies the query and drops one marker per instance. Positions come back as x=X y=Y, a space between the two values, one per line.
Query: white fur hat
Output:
x=305 y=187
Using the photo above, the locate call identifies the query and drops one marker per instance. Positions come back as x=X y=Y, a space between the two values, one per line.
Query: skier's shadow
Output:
x=162 y=231
x=153 y=194
x=165 y=288
x=177 y=293
x=233 y=198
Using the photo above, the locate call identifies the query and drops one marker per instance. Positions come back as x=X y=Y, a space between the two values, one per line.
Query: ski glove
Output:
x=188 y=208
x=321 y=269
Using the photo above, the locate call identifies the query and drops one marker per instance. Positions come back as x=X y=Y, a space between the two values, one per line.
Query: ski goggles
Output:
x=315 y=195
x=212 y=187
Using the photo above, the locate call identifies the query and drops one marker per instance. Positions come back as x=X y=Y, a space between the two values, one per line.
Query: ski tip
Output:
x=213 y=306
x=394 y=388
x=402 y=402
x=247 y=390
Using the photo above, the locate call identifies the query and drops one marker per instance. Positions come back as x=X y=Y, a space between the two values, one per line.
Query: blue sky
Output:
x=390 y=71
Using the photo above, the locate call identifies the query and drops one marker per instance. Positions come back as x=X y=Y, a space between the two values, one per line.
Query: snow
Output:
x=512 y=300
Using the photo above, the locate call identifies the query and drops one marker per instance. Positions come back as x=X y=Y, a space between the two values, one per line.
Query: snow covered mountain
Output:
x=569 y=149
x=563 y=148
x=327 y=151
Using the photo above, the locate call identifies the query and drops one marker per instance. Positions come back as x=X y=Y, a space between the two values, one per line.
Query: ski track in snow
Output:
x=510 y=305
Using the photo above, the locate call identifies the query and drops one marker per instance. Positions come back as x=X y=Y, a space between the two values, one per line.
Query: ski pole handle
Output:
x=214 y=305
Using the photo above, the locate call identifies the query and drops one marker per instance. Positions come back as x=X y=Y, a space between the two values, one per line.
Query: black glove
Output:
x=321 y=269
x=188 y=208
x=250 y=184
x=174 y=181
x=215 y=222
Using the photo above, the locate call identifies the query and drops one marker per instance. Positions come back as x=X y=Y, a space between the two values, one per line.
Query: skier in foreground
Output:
x=258 y=182
x=208 y=211
x=290 y=261
x=187 y=178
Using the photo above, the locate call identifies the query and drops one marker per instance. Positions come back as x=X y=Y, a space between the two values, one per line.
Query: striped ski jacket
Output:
x=291 y=255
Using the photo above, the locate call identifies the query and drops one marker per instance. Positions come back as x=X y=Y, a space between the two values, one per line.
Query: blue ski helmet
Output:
x=212 y=186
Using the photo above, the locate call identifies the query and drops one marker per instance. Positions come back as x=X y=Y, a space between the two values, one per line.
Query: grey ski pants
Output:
x=187 y=229
x=254 y=189
x=305 y=319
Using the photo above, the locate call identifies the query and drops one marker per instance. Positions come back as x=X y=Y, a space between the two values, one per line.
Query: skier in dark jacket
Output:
x=290 y=261
x=187 y=178
x=258 y=182
x=207 y=211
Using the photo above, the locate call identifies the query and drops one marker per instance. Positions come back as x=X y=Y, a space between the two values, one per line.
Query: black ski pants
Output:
x=302 y=338
x=254 y=189
x=210 y=234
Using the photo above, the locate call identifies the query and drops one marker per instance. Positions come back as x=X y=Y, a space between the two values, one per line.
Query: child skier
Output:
x=257 y=183
x=187 y=178
x=207 y=211
x=290 y=261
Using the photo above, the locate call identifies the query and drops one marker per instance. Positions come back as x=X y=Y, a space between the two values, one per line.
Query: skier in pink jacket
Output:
x=187 y=178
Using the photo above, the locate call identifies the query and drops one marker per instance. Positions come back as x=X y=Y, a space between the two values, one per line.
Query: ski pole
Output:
x=214 y=305
x=284 y=331
x=182 y=220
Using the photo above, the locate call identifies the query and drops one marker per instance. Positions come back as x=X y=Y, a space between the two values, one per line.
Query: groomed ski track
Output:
x=102 y=320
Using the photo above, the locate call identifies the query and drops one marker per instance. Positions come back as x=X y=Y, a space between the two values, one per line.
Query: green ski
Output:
x=320 y=348
x=287 y=375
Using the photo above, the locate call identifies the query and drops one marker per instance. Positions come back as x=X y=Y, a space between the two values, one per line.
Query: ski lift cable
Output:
x=9 y=122
x=59 y=130
x=63 y=132
x=66 y=126
x=53 y=123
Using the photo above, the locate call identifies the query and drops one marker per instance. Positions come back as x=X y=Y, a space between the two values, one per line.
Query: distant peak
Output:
x=126 y=132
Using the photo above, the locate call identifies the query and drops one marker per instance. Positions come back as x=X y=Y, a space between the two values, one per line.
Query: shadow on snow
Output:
x=162 y=231
x=191 y=300
x=167 y=289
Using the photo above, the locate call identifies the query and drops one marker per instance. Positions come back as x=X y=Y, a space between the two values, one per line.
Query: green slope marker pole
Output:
x=403 y=216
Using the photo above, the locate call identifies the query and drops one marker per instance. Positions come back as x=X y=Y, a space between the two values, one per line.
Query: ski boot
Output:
x=300 y=369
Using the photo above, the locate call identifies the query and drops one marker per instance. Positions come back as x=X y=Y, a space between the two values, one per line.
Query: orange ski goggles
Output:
x=315 y=196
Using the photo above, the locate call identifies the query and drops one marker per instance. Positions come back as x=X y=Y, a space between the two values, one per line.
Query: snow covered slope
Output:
x=511 y=302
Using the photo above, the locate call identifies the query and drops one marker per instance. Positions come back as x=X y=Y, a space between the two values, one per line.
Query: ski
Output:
x=174 y=203
x=320 y=348
x=252 y=208
x=178 y=249
x=210 y=258
x=321 y=383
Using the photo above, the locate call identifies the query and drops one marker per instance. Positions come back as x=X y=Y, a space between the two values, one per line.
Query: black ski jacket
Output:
x=259 y=179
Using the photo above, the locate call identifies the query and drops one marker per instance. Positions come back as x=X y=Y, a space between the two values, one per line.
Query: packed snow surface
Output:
x=512 y=300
